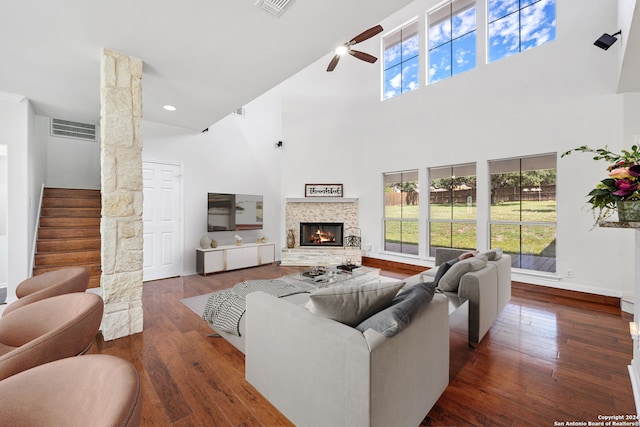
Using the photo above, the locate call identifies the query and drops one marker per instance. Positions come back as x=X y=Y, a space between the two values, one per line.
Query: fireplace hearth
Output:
x=321 y=234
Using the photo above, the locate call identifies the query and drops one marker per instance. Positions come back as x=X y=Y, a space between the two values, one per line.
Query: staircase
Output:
x=69 y=232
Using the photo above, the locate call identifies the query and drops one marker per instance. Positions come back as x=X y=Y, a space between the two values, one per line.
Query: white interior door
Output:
x=162 y=222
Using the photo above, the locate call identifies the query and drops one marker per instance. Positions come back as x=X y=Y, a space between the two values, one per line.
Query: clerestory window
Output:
x=452 y=39
x=401 y=61
x=518 y=25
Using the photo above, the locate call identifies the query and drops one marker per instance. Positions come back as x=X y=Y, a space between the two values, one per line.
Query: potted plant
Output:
x=619 y=192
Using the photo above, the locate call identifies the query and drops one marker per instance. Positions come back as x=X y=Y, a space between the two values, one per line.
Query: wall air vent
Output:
x=240 y=112
x=274 y=7
x=68 y=129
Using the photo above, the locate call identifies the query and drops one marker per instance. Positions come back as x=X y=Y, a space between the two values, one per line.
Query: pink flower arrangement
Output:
x=623 y=181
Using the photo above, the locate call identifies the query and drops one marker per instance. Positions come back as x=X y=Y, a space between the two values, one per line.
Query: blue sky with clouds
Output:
x=452 y=44
x=401 y=63
x=514 y=26
x=513 y=29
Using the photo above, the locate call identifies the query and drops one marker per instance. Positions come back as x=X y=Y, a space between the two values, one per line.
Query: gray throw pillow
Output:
x=403 y=309
x=351 y=304
x=451 y=279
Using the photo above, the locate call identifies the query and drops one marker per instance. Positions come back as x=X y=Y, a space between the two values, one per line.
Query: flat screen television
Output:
x=231 y=212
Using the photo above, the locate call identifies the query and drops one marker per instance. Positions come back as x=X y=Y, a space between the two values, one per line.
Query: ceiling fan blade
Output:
x=333 y=63
x=366 y=34
x=363 y=56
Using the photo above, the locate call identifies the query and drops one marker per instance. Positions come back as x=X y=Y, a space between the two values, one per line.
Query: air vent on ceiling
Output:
x=274 y=7
x=68 y=129
x=240 y=112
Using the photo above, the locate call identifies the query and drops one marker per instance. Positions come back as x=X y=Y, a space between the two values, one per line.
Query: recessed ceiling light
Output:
x=169 y=108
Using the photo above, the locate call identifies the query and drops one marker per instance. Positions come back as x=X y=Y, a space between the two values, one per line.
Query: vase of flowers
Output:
x=619 y=192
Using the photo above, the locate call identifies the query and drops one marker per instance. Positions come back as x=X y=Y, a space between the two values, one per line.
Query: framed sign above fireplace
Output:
x=323 y=190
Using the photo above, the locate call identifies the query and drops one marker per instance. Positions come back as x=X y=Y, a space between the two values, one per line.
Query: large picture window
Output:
x=401 y=201
x=452 y=39
x=523 y=211
x=518 y=25
x=452 y=207
x=401 y=61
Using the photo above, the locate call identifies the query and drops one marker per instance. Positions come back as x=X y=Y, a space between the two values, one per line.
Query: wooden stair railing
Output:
x=69 y=232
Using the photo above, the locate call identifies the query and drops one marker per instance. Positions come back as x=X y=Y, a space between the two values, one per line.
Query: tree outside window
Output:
x=523 y=211
x=401 y=201
x=452 y=207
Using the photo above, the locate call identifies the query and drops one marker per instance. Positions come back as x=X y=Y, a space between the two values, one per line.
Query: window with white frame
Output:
x=518 y=25
x=522 y=217
x=452 y=39
x=452 y=207
x=401 y=61
x=401 y=204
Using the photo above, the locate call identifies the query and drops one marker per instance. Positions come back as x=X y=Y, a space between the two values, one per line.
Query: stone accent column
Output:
x=121 y=164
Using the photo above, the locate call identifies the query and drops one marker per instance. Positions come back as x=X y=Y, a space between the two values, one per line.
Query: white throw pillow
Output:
x=351 y=304
x=493 y=254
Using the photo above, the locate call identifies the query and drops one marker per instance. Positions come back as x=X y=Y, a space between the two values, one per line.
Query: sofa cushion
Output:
x=443 y=268
x=451 y=279
x=351 y=304
x=402 y=310
x=493 y=254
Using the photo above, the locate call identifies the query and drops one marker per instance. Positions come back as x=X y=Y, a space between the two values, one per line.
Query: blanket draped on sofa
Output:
x=225 y=308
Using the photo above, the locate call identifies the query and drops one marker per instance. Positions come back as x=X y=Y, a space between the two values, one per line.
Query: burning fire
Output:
x=322 y=237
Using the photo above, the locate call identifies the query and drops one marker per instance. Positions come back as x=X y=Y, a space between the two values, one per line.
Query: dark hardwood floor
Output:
x=546 y=359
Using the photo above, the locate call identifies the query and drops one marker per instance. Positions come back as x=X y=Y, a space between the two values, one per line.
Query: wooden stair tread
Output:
x=70 y=212
x=71 y=193
x=69 y=222
x=66 y=202
x=69 y=244
x=67 y=257
x=69 y=232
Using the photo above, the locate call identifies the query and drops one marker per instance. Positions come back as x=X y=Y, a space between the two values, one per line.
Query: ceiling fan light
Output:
x=341 y=50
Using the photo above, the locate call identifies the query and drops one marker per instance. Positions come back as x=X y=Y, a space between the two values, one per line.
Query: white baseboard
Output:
x=626 y=305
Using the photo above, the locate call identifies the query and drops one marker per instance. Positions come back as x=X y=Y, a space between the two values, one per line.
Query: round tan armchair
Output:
x=94 y=390
x=49 y=284
x=48 y=330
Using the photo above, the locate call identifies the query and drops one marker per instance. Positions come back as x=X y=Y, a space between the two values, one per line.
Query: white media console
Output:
x=233 y=257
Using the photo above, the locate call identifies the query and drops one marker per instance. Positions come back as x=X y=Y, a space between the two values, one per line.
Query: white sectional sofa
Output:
x=488 y=289
x=319 y=372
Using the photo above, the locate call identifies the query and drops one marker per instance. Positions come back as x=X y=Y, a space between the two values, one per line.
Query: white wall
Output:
x=25 y=169
x=237 y=155
x=71 y=163
x=549 y=99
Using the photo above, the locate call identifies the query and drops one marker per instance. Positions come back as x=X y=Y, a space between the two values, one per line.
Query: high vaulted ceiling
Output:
x=206 y=57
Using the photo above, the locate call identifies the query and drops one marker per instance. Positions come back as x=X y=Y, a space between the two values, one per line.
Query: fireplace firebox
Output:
x=321 y=233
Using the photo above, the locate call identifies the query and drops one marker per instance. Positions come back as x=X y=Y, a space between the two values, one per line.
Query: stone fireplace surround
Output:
x=320 y=209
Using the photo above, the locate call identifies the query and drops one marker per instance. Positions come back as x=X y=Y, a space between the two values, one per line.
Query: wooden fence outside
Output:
x=503 y=194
